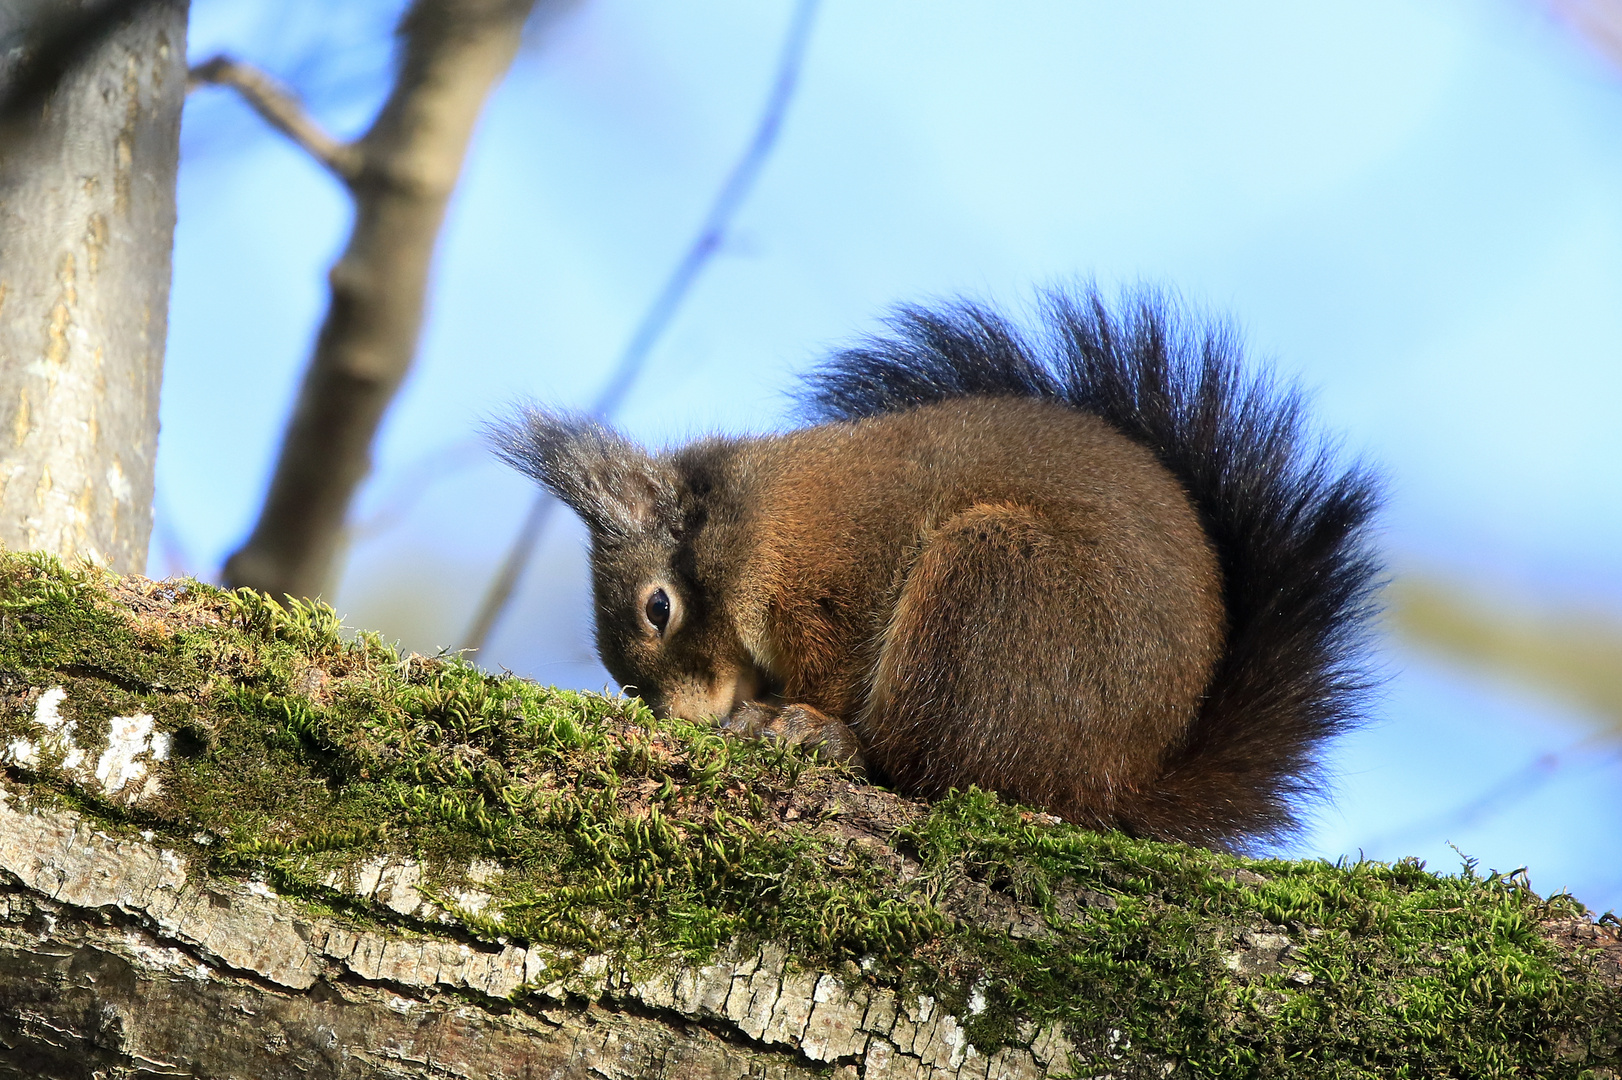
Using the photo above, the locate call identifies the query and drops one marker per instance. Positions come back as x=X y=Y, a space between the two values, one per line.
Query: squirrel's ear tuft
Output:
x=616 y=486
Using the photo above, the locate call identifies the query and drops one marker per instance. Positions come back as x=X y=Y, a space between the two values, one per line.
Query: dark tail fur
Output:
x=1289 y=525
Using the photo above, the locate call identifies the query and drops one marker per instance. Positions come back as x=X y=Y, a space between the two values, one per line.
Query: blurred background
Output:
x=1413 y=210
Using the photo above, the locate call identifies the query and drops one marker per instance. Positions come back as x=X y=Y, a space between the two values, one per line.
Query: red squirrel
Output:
x=1098 y=569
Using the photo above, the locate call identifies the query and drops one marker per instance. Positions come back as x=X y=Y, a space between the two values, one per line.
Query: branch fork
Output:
x=281 y=108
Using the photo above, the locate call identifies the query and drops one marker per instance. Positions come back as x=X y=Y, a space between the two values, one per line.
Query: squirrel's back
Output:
x=1287 y=527
x=1117 y=590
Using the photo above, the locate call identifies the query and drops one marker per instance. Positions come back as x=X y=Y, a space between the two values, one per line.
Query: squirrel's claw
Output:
x=797 y=725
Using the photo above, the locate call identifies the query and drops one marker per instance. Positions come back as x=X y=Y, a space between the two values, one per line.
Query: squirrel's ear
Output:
x=617 y=487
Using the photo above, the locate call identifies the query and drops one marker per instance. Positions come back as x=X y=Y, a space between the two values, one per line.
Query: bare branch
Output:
x=453 y=53
x=1597 y=21
x=407 y=485
x=282 y=110
x=737 y=186
x=501 y=588
x=1584 y=755
x=739 y=182
x=1568 y=653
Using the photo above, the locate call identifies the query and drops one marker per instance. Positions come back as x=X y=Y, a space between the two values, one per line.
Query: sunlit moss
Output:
x=301 y=753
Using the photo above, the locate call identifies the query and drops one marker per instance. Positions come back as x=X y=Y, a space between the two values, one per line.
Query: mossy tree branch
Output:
x=234 y=841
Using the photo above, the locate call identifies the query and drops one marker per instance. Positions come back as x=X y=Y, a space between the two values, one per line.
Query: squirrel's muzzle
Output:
x=699 y=698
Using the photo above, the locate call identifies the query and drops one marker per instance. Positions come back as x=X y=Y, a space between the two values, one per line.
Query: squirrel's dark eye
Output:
x=657 y=609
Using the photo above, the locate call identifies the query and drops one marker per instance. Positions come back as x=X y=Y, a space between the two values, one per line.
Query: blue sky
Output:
x=1415 y=210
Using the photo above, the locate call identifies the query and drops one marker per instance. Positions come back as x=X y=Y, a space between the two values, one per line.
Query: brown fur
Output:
x=991 y=589
x=901 y=554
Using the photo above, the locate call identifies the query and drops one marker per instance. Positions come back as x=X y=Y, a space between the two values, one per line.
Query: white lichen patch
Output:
x=22 y=752
x=48 y=709
x=130 y=738
x=474 y=902
x=118 y=485
x=55 y=734
x=390 y=882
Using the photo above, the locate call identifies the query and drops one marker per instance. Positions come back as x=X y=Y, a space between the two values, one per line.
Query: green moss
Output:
x=299 y=754
x=1412 y=973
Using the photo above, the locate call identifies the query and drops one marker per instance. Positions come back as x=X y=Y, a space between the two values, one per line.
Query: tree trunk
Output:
x=87 y=216
x=234 y=843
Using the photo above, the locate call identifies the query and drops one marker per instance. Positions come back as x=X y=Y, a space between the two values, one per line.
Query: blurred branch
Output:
x=1572 y=655
x=282 y=110
x=739 y=182
x=1569 y=654
x=172 y=552
x=49 y=37
x=1599 y=22
x=409 y=484
x=1521 y=784
x=498 y=594
x=734 y=190
x=453 y=52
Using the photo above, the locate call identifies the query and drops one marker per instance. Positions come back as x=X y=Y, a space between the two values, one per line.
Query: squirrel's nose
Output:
x=698 y=698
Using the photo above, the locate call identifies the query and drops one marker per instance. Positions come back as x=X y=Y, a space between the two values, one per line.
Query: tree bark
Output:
x=408 y=163
x=87 y=215
x=111 y=960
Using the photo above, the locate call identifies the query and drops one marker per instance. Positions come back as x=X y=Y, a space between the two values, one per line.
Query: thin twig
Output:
x=411 y=482
x=501 y=588
x=1600 y=21
x=175 y=558
x=1520 y=784
x=739 y=182
x=282 y=110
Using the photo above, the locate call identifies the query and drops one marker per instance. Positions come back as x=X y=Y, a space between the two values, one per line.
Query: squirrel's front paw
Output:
x=798 y=725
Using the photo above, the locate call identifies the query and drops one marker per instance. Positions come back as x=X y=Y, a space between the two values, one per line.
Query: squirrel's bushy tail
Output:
x=1288 y=524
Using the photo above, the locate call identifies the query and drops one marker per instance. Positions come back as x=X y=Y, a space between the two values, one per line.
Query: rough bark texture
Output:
x=111 y=958
x=115 y=960
x=233 y=843
x=112 y=963
x=87 y=215
x=407 y=165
